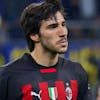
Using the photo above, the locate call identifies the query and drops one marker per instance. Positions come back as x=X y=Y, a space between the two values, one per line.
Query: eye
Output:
x=64 y=23
x=51 y=26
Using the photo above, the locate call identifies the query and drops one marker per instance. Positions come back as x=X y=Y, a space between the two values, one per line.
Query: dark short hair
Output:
x=33 y=15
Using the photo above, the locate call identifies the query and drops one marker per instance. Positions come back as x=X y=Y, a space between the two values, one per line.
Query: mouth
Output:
x=63 y=42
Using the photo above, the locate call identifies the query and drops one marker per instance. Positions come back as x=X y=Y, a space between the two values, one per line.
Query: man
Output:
x=43 y=74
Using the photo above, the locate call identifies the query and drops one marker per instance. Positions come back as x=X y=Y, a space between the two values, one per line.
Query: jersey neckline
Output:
x=36 y=65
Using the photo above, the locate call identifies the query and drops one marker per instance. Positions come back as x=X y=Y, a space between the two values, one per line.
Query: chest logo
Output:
x=53 y=93
x=36 y=94
x=68 y=92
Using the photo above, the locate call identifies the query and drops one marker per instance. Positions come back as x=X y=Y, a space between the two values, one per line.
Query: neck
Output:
x=45 y=58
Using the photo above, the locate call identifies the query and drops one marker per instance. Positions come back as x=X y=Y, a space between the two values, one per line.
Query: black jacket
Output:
x=24 y=79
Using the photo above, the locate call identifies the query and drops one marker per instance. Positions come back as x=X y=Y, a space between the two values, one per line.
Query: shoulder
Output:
x=13 y=66
x=7 y=68
x=73 y=66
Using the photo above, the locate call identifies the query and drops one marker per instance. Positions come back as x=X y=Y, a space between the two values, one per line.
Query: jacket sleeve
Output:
x=84 y=89
x=3 y=86
x=89 y=95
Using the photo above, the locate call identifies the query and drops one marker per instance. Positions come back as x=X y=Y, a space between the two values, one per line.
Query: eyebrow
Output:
x=52 y=25
x=55 y=24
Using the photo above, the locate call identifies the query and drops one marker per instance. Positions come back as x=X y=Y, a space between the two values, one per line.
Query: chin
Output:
x=62 y=51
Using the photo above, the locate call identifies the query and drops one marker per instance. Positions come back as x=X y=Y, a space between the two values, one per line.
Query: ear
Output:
x=34 y=37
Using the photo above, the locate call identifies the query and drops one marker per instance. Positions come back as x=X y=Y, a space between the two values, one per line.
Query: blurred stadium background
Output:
x=83 y=22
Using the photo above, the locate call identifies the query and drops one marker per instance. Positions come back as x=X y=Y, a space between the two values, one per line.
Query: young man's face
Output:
x=53 y=34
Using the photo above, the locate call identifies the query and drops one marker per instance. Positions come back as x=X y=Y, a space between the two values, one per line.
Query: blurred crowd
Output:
x=83 y=17
x=83 y=22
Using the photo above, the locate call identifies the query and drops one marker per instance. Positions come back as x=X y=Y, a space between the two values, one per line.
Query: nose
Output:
x=62 y=31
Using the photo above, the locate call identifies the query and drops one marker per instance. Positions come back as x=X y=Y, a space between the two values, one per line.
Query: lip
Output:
x=63 y=42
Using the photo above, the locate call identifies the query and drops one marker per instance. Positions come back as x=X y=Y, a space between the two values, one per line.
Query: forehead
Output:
x=57 y=18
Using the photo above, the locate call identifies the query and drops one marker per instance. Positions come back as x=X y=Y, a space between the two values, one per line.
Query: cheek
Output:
x=50 y=39
x=50 y=42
